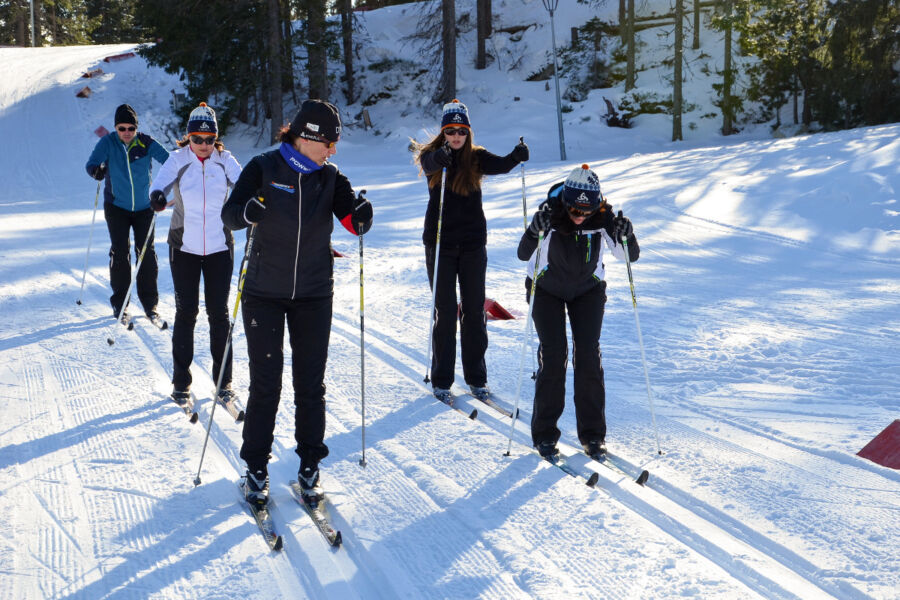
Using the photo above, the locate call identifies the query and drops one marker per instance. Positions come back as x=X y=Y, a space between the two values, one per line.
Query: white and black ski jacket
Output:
x=199 y=189
x=571 y=261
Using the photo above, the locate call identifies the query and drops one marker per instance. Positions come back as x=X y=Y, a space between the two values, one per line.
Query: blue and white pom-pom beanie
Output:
x=455 y=115
x=203 y=120
x=582 y=189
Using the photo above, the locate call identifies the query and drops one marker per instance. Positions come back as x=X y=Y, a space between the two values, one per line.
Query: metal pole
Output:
x=551 y=5
x=525 y=342
x=362 y=348
x=90 y=239
x=437 y=255
x=237 y=303
x=637 y=322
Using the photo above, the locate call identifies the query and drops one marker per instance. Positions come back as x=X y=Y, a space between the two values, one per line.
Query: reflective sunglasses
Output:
x=456 y=131
x=203 y=139
x=124 y=129
x=576 y=212
x=309 y=135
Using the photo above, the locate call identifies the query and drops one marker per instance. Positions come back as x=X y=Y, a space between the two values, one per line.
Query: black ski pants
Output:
x=586 y=321
x=469 y=267
x=309 y=329
x=120 y=223
x=186 y=272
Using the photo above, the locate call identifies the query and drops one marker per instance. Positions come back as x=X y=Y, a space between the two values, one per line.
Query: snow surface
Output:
x=769 y=298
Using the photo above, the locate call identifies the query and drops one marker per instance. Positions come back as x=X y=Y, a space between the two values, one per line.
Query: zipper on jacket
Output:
x=203 y=175
x=130 y=178
x=587 y=257
x=299 y=223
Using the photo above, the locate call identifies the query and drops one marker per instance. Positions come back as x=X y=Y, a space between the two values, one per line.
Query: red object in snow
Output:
x=101 y=131
x=93 y=73
x=495 y=311
x=84 y=92
x=118 y=57
x=884 y=448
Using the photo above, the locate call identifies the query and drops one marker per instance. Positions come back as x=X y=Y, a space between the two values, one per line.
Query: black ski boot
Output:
x=547 y=450
x=596 y=449
x=255 y=486
x=308 y=478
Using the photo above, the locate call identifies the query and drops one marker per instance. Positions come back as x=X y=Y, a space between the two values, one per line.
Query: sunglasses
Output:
x=124 y=129
x=576 y=212
x=203 y=139
x=458 y=131
x=309 y=135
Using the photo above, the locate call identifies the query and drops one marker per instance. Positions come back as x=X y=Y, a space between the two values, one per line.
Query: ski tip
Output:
x=78 y=302
x=240 y=417
x=194 y=417
x=165 y=325
x=338 y=540
x=643 y=477
x=592 y=480
x=278 y=544
x=110 y=341
x=130 y=326
x=474 y=413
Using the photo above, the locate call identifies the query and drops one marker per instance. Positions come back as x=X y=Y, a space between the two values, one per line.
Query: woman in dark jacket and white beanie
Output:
x=463 y=243
x=577 y=223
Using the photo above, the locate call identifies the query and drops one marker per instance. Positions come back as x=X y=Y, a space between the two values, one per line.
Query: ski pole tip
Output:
x=197 y=481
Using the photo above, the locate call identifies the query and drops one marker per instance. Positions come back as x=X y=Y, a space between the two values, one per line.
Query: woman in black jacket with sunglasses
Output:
x=463 y=246
x=576 y=222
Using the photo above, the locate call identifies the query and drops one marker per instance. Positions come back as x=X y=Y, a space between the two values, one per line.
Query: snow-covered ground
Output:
x=769 y=298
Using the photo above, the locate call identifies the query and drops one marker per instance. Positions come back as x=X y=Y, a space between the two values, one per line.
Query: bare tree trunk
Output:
x=727 y=103
x=315 y=46
x=623 y=26
x=676 y=92
x=346 y=7
x=19 y=19
x=448 y=44
x=38 y=18
x=276 y=109
x=696 y=44
x=481 y=20
x=629 y=61
x=488 y=25
x=287 y=48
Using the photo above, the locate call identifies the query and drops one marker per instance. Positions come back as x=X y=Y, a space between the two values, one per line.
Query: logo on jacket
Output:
x=283 y=187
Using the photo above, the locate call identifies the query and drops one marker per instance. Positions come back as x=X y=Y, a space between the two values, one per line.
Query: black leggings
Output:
x=186 y=271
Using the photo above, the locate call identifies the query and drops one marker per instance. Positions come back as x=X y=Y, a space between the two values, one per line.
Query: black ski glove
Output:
x=362 y=214
x=158 y=200
x=254 y=211
x=540 y=222
x=443 y=156
x=98 y=172
x=520 y=152
x=623 y=228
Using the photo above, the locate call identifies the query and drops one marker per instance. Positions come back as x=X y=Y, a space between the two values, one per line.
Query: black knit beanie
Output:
x=126 y=114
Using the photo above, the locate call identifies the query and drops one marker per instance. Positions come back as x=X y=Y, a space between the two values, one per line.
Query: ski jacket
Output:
x=462 y=223
x=127 y=182
x=571 y=261
x=199 y=189
x=291 y=255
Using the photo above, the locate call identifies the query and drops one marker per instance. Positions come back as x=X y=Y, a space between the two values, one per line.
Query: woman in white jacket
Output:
x=198 y=177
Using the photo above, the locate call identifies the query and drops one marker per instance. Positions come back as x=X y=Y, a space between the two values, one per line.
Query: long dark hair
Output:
x=467 y=178
x=186 y=140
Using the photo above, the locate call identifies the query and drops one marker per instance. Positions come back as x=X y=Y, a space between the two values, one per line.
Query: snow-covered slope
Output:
x=769 y=291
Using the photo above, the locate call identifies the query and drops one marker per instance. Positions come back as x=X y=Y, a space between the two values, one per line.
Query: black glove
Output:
x=158 y=200
x=254 y=211
x=361 y=217
x=541 y=221
x=622 y=227
x=98 y=172
x=520 y=152
x=443 y=156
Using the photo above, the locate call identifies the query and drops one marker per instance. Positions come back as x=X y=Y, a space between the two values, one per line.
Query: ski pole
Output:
x=237 y=303
x=112 y=338
x=637 y=322
x=525 y=221
x=362 y=348
x=437 y=255
x=525 y=344
x=90 y=239
x=524 y=205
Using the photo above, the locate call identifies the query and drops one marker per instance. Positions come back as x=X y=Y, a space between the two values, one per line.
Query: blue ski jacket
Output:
x=127 y=182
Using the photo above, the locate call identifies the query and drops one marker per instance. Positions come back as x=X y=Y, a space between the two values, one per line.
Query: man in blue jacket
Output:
x=122 y=160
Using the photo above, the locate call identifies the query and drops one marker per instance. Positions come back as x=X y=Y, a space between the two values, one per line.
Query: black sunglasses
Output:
x=457 y=131
x=124 y=129
x=577 y=212
x=203 y=139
